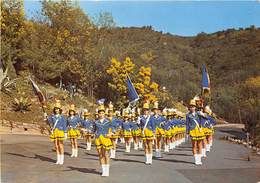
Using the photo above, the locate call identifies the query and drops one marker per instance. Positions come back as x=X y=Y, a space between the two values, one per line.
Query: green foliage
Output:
x=21 y=105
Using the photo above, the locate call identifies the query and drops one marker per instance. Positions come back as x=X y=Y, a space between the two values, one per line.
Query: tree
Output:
x=104 y=20
x=12 y=34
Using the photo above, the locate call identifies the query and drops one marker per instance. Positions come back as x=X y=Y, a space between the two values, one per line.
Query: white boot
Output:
x=159 y=153
x=72 y=152
x=103 y=170
x=150 y=161
x=140 y=145
x=146 y=159
x=61 y=159
x=204 y=152
x=135 y=146
x=208 y=148
x=199 y=159
x=88 y=146
x=122 y=140
x=58 y=159
x=75 y=153
x=174 y=145
x=196 y=158
x=112 y=153
x=107 y=170
x=166 y=148
x=127 y=147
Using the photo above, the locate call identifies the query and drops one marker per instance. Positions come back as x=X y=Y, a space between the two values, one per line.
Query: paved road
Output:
x=30 y=159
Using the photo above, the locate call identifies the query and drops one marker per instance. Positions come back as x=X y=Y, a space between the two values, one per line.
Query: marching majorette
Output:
x=73 y=131
x=174 y=128
x=136 y=130
x=87 y=128
x=148 y=132
x=208 y=122
x=194 y=129
x=103 y=130
x=167 y=126
x=158 y=120
x=127 y=129
x=116 y=123
x=58 y=125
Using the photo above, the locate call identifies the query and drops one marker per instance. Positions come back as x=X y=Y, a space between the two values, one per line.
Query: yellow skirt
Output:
x=168 y=133
x=208 y=131
x=173 y=131
x=160 y=132
x=73 y=133
x=137 y=132
x=148 y=134
x=116 y=135
x=197 y=134
x=127 y=134
x=57 y=135
x=103 y=142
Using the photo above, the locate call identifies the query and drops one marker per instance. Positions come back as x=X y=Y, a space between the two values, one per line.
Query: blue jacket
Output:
x=207 y=121
x=127 y=125
x=102 y=128
x=150 y=125
x=135 y=125
x=73 y=122
x=87 y=124
x=116 y=123
x=61 y=122
x=167 y=125
x=157 y=120
x=191 y=121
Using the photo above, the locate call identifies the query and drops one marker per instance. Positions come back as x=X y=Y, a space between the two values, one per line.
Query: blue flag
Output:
x=205 y=80
x=132 y=94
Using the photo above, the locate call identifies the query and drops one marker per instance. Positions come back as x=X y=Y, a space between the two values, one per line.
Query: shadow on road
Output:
x=129 y=160
x=134 y=154
x=90 y=154
x=83 y=170
x=174 y=161
x=36 y=156
x=179 y=154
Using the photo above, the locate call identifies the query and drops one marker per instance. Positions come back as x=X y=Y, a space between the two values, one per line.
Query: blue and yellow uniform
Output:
x=127 y=128
x=60 y=128
x=117 y=126
x=158 y=121
x=136 y=130
x=88 y=127
x=207 y=123
x=194 y=126
x=149 y=131
x=168 y=128
x=174 y=127
x=101 y=130
x=73 y=123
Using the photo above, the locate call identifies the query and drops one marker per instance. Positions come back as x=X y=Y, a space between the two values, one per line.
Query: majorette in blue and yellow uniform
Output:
x=194 y=126
x=87 y=128
x=136 y=131
x=158 y=121
x=208 y=122
x=167 y=126
x=116 y=123
x=102 y=130
x=127 y=129
x=73 y=124
x=149 y=131
x=174 y=128
x=58 y=124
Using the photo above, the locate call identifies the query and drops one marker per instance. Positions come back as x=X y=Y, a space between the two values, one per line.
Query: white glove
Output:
x=66 y=135
x=45 y=115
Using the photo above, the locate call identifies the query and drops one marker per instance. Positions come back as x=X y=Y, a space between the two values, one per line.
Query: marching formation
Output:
x=150 y=128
